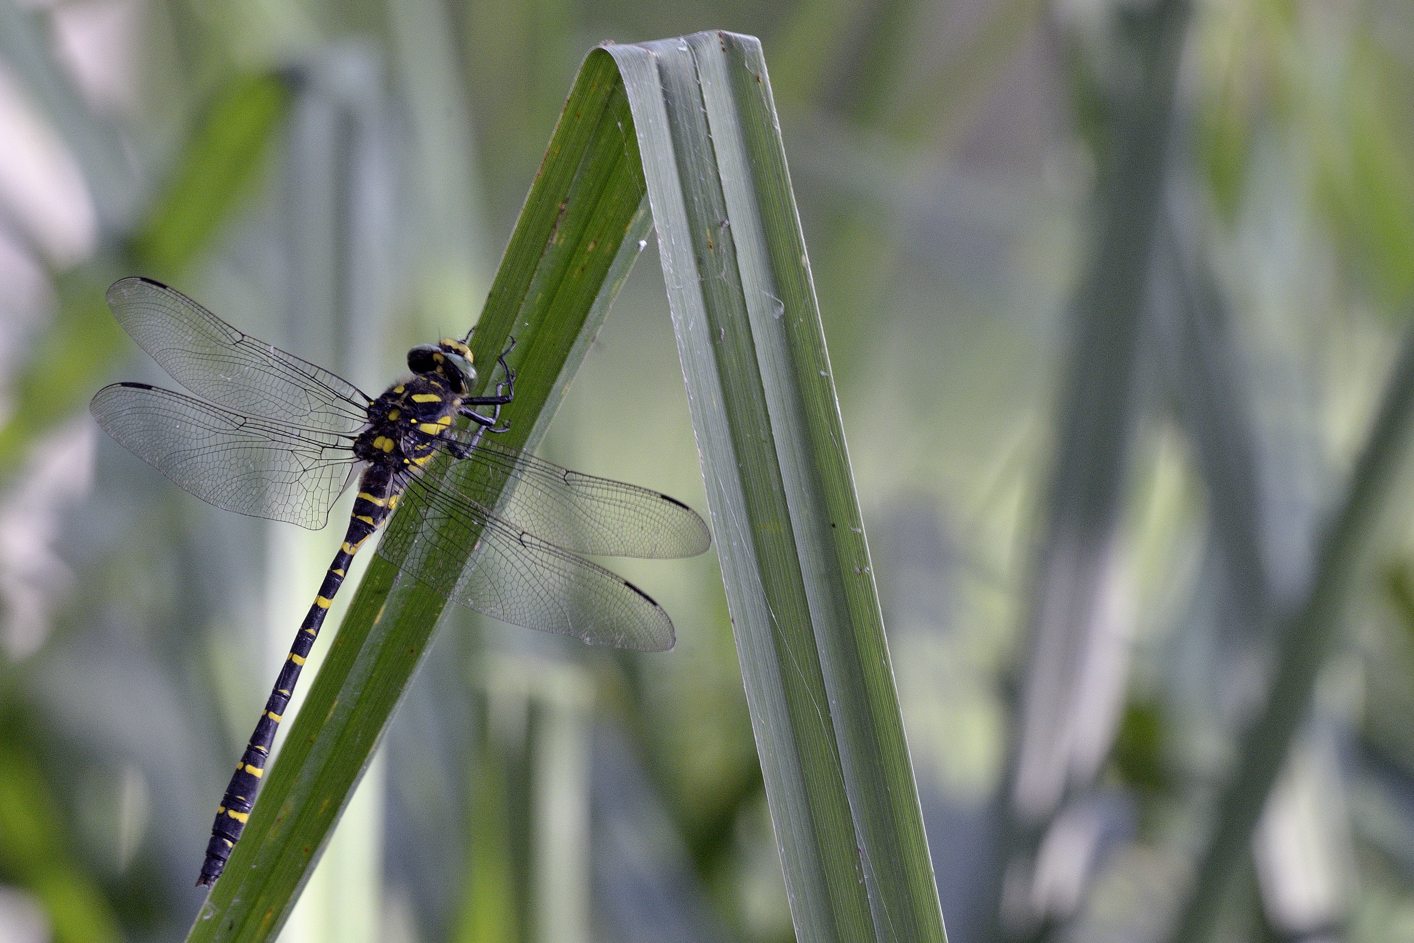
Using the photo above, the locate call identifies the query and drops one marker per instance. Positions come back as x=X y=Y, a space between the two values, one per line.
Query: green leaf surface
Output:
x=583 y=224
x=799 y=582
x=798 y=576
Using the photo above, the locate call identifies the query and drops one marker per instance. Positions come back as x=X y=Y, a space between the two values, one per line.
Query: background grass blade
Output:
x=1077 y=664
x=220 y=160
x=1309 y=635
x=786 y=519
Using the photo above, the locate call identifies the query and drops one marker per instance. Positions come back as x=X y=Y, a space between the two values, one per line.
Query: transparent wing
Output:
x=219 y=363
x=579 y=512
x=519 y=578
x=252 y=466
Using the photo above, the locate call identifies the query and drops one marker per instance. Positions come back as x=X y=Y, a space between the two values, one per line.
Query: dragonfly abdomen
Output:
x=376 y=490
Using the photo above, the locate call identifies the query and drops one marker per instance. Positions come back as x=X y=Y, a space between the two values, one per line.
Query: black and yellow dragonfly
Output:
x=271 y=435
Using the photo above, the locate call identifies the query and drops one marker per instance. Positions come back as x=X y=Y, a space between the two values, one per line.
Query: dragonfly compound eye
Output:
x=423 y=358
x=459 y=354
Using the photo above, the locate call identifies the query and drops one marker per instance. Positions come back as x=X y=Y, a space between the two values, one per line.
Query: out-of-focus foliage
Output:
x=342 y=180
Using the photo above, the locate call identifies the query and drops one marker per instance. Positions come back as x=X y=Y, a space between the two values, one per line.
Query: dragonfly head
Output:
x=451 y=358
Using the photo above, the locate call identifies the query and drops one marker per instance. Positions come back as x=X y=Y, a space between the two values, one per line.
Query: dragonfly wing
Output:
x=219 y=363
x=578 y=512
x=516 y=577
x=252 y=466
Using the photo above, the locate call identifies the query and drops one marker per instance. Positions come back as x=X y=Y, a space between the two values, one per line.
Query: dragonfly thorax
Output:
x=407 y=420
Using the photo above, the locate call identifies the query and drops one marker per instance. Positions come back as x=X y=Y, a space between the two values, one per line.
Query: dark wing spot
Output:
x=643 y=594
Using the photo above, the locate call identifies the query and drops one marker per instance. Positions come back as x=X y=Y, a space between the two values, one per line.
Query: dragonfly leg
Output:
x=505 y=392
x=507 y=386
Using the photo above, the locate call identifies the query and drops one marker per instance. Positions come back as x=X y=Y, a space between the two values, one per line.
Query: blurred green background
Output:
x=1111 y=290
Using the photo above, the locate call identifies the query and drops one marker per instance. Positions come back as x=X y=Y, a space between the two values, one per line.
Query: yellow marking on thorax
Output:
x=426 y=397
x=372 y=499
x=394 y=414
x=383 y=443
x=433 y=428
x=399 y=388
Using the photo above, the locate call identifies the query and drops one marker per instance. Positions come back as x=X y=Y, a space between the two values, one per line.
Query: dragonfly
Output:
x=268 y=434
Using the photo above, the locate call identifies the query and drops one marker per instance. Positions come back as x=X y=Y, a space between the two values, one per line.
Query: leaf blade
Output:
x=799 y=583
x=583 y=225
